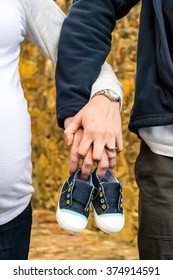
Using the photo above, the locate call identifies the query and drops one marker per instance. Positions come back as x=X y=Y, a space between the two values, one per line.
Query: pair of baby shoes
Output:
x=104 y=195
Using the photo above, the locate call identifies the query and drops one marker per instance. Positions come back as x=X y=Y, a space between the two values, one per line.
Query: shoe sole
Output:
x=104 y=227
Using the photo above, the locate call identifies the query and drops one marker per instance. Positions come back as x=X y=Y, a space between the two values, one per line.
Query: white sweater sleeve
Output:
x=43 y=25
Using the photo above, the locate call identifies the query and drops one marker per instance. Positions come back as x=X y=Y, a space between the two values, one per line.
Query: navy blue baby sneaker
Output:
x=75 y=199
x=107 y=203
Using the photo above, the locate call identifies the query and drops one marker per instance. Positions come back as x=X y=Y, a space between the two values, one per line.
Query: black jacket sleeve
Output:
x=84 y=44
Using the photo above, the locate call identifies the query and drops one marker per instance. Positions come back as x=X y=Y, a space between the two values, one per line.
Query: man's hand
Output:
x=97 y=124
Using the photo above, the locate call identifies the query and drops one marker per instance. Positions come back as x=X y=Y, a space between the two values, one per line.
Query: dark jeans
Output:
x=15 y=237
x=154 y=176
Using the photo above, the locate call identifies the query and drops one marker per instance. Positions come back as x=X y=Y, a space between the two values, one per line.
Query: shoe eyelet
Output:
x=68 y=195
x=101 y=194
x=68 y=201
x=100 y=189
x=69 y=189
x=104 y=206
x=102 y=200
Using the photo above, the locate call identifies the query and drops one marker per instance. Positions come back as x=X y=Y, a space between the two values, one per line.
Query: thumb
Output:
x=71 y=129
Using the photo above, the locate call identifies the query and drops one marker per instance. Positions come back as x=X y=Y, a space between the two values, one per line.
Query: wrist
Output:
x=102 y=100
x=111 y=95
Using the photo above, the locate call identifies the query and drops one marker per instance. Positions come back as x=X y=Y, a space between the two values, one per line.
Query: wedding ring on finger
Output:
x=112 y=150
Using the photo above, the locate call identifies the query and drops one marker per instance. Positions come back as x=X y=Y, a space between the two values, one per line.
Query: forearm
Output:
x=79 y=57
x=85 y=42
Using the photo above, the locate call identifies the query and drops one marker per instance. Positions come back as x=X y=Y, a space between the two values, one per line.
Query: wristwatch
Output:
x=112 y=95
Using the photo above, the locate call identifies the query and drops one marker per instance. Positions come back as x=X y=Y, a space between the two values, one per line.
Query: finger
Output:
x=103 y=165
x=84 y=147
x=87 y=165
x=74 y=159
x=69 y=139
x=119 y=142
x=71 y=129
x=98 y=149
x=112 y=163
x=111 y=150
x=67 y=121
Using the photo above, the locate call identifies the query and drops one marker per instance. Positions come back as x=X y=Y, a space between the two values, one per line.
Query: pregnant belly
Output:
x=15 y=147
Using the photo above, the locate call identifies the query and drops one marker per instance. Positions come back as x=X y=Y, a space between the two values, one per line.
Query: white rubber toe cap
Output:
x=71 y=221
x=109 y=223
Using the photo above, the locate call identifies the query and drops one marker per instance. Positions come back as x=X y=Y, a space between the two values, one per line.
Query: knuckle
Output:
x=80 y=156
x=96 y=158
x=73 y=159
x=111 y=157
x=91 y=130
x=73 y=153
x=66 y=132
x=94 y=132
x=104 y=165
x=81 y=153
x=88 y=163
x=110 y=134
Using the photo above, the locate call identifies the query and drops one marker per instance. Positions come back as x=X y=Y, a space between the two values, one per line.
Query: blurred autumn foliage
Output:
x=50 y=155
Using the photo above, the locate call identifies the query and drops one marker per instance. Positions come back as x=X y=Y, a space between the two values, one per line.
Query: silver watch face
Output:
x=113 y=95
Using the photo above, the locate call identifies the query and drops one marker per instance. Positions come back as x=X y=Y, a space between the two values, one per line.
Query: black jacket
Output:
x=85 y=42
x=153 y=105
